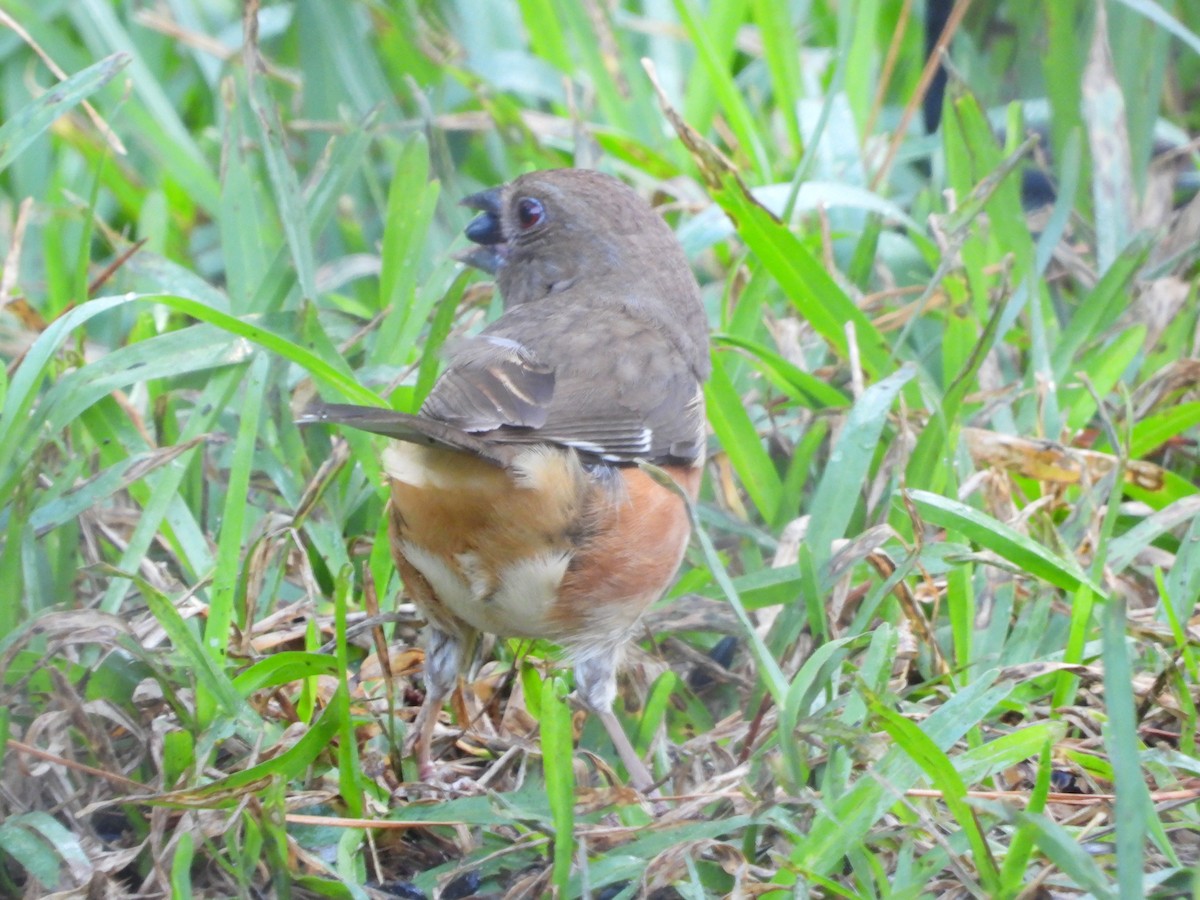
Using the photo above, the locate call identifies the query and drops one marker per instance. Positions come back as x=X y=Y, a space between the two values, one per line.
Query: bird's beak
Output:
x=484 y=201
x=488 y=259
x=485 y=228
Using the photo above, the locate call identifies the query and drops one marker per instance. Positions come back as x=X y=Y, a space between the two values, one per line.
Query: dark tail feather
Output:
x=404 y=427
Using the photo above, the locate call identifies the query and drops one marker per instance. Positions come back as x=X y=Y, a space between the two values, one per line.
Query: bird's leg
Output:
x=443 y=662
x=596 y=681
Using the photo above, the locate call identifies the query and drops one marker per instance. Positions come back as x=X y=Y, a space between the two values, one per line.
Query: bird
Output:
x=521 y=503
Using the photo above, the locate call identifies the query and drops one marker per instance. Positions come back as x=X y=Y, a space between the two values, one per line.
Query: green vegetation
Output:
x=950 y=514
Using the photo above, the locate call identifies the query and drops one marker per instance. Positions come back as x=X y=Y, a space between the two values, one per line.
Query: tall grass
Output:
x=935 y=636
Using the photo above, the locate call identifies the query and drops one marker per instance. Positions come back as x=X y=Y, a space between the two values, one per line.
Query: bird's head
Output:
x=546 y=230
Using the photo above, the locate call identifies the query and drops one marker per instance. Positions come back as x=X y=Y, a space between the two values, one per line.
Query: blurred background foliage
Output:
x=937 y=631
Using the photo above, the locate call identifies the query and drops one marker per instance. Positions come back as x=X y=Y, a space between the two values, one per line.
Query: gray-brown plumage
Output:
x=603 y=341
x=517 y=507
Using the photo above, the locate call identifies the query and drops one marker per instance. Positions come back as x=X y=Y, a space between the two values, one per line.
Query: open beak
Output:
x=486 y=259
x=485 y=229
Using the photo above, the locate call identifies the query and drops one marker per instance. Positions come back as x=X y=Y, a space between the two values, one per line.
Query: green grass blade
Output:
x=739 y=439
x=941 y=773
x=557 y=762
x=1021 y=551
x=27 y=123
x=849 y=463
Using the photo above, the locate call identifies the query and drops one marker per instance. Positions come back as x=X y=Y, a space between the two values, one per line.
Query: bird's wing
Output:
x=585 y=374
x=493 y=381
x=660 y=423
x=597 y=380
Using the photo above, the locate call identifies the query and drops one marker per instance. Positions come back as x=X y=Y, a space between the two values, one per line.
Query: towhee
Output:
x=517 y=504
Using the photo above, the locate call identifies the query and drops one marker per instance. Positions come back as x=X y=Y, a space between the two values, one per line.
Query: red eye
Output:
x=529 y=212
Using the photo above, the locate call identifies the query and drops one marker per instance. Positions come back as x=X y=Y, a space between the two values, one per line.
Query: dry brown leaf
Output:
x=1108 y=137
x=1053 y=462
